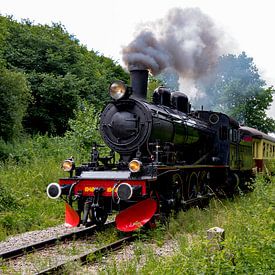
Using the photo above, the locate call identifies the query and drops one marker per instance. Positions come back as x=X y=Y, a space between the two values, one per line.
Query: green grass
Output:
x=28 y=165
x=24 y=176
x=26 y=168
x=249 y=245
x=248 y=220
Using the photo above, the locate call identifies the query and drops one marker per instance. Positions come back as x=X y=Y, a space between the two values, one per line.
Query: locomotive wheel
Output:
x=99 y=215
x=177 y=190
x=233 y=186
x=198 y=189
x=203 y=189
x=170 y=196
x=193 y=186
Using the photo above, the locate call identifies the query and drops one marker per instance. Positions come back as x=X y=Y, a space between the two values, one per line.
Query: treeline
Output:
x=44 y=74
x=234 y=87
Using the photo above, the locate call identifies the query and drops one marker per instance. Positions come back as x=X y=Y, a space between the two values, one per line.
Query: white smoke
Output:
x=188 y=86
x=186 y=40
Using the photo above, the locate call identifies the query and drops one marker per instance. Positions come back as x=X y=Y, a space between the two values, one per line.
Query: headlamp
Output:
x=135 y=165
x=117 y=90
x=68 y=165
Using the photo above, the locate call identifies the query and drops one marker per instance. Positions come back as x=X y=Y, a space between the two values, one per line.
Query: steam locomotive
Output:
x=169 y=158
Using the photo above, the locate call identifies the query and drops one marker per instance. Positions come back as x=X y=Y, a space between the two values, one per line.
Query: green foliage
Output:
x=5 y=149
x=27 y=168
x=3 y=34
x=56 y=97
x=84 y=127
x=59 y=70
x=40 y=48
x=7 y=200
x=255 y=111
x=170 y=79
x=31 y=165
x=15 y=96
x=236 y=89
x=34 y=149
x=152 y=85
x=248 y=247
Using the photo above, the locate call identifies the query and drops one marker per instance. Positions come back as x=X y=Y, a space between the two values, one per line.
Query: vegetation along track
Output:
x=54 y=253
x=90 y=255
x=12 y=254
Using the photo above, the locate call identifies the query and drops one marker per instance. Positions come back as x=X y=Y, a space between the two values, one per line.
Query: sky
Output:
x=105 y=25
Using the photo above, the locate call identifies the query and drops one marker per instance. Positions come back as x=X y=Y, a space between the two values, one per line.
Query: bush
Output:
x=84 y=129
x=24 y=175
x=55 y=99
x=5 y=149
x=15 y=96
x=248 y=247
x=7 y=200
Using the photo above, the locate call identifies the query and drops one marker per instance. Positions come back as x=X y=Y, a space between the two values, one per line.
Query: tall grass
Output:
x=248 y=247
x=31 y=165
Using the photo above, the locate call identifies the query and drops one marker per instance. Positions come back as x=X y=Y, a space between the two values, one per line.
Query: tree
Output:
x=235 y=88
x=59 y=70
x=84 y=127
x=55 y=98
x=255 y=111
x=153 y=83
x=15 y=96
x=3 y=34
x=170 y=79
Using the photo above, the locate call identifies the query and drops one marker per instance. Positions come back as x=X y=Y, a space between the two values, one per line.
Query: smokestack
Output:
x=139 y=80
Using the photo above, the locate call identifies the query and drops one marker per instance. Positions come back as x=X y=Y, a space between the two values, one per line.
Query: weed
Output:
x=248 y=247
x=138 y=251
x=25 y=174
x=106 y=237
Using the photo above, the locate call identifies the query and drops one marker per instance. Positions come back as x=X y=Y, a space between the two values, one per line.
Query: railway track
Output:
x=56 y=253
x=13 y=254
x=85 y=258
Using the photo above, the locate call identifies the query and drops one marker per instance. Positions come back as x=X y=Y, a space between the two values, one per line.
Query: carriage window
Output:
x=264 y=153
x=223 y=133
x=236 y=135
x=231 y=134
x=255 y=150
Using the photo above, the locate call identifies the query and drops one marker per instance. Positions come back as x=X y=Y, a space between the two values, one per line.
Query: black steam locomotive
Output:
x=169 y=158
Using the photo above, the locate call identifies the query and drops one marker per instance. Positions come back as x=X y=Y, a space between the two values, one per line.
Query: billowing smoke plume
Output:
x=185 y=40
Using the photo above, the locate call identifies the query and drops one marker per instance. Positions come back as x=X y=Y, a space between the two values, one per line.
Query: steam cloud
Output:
x=185 y=40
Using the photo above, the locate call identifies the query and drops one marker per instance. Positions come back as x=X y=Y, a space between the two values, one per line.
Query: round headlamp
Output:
x=117 y=90
x=124 y=191
x=135 y=165
x=68 y=165
x=54 y=190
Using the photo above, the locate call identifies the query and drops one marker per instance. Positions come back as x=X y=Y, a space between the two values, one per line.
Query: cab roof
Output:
x=257 y=134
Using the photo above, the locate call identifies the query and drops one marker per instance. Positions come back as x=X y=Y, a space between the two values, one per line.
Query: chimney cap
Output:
x=137 y=67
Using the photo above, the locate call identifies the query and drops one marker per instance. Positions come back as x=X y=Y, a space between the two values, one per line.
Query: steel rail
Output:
x=89 y=256
x=12 y=254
